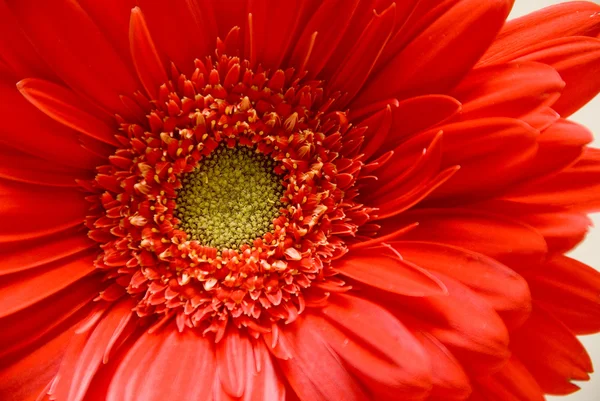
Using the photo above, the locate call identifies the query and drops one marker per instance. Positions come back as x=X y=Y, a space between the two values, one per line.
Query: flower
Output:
x=313 y=200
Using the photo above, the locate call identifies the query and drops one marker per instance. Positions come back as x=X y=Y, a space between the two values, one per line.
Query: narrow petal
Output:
x=232 y=354
x=570 y=290
x=275 y=24
x=165 y=359
x=579 y=18
x=18 y=166
x=84 y=60
x=577 y=60
x=182 y=45
x=87 y=351
x=314 y=370
x=28 y=211
x=554 y=358
x=52 y=141
x=506 y=291
x=449 y=380
x=330 y=21
x=462 y=321
x=560 y=146
x=490 y=234
x=21 y=290
x=512 y=383
x=27 y=378
x=146 y=58
x=355 y=69
x=413 y=72
x=24 y=329
x=384 y=354
x=31 y=254
x=381 y=268
x=508 y=90
x=577 y=187
x=18 y=54
x=67 y=108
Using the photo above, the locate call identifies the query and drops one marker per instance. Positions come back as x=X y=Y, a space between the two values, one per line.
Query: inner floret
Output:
x=230 y=199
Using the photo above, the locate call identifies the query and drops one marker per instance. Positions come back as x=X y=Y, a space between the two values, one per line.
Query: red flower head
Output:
x=295 y=200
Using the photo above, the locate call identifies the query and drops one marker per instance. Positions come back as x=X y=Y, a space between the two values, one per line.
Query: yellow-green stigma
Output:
x=230 y=199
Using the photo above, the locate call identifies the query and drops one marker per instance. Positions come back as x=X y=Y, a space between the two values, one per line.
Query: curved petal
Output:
x=88 y=350
x=551 y=353
x=577 y=187
x=28 y=211
x=508 y=90
x=384 y=354
x=578 y=18
x=490 y=234
x=84 y=60
x=512 y=383
x=161 y=358
x=462 y=321
x=416 y=69
x=381 y=268
x=52 y=141
x=147 y=61
x=506 y=291
x=314 y=371
x=577 y=60
x=570 y=290
x=21 y=290
x=62 y=105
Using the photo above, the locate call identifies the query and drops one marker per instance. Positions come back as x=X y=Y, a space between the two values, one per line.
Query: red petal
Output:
x=28 y=377
x=161 y=358
x=264 y=384
x=67 y=108
x=16 y=49
x=463 y=321
x=383 y=353
x=560 y=145
x=315 y=372
x=450 y=382
x=512 y=383
x=490 y=234
x=21 y=290
x=146 y=59
x=232 y=354
x=84 y=60
x=87 y=351
x=24 y=329
x=112 y=17
x=577 y=187
x=416 y=69
x=44 y=137
x=381 y=268
x=506 y=291
x=508 y=90
x=355 y=69
x=577 y=60
x=330 y=21
x=28 y=255
x=27 y=211
x=551 y=353
x=184 y=44
x=275 y=24
x=570 y=291
x=580 y=18
x=21 y=167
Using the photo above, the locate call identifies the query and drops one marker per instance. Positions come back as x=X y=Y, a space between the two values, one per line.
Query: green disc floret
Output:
x=230 y=199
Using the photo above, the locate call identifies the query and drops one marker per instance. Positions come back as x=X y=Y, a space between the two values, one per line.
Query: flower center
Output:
x=230 y=199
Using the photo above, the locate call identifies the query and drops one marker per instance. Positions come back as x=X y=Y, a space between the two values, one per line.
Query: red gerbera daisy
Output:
x=295 y=200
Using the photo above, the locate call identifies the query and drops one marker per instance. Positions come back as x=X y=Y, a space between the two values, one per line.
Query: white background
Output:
x=588 y=251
